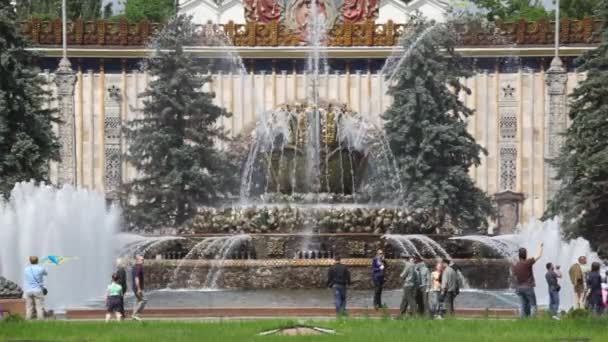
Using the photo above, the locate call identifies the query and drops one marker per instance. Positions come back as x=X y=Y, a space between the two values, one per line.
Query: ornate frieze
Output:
x=272 y=31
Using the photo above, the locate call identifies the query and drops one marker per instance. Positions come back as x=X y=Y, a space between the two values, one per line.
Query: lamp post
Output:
x=65 y=79
x=556 y=28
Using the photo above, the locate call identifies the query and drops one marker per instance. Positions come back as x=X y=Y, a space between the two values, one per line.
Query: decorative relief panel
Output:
x=508 y=125
x=507 y=140
x=508 y=167
x=359 y=30
x=112 y=129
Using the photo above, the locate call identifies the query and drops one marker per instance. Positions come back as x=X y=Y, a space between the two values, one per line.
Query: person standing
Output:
x=523 y=279
x=33 y=289
x=378 y=269
x=114 y=297
x=411 y=282
x=338 y=278
x=121 y=279
x=594 y=284
x=450 y=286
x=422 y=294
x=138 y=287
x=435 y=291
x=552 y=276
x=577 y=277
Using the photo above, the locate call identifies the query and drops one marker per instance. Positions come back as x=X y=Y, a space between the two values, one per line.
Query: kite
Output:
x=56 y=260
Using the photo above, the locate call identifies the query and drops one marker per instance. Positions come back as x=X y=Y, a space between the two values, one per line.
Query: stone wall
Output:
x=296 y=274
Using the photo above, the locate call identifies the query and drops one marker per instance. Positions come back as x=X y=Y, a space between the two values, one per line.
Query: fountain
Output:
x=318 y=180
x=42 y=220
x=556 y=251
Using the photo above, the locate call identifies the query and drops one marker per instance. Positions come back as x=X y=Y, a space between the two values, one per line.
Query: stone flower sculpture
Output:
x=8 y=289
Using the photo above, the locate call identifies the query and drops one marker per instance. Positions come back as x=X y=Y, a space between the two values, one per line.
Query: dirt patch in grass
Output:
x=297 y=330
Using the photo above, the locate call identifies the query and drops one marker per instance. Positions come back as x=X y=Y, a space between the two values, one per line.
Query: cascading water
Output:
x=139 y=245
x=406 y=244
x=502 y=246
x=218 y=249
x=42 y=220
x=556 y=251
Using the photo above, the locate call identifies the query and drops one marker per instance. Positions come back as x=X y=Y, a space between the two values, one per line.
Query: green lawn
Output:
x=348 y=330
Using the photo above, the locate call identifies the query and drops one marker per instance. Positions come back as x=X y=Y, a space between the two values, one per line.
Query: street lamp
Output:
x=556 y=28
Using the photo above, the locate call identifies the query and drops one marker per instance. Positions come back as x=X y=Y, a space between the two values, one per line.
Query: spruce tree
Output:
x=174 y=145
x=51 y=9
x=582 y=166
x=427 y=130
x=27 y=141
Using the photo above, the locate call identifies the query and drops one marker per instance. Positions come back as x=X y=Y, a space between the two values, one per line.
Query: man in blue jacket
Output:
x=33 y=289
x=378 y=269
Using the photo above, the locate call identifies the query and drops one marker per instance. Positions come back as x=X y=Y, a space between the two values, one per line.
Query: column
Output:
x=65 y=79
x=555 y=122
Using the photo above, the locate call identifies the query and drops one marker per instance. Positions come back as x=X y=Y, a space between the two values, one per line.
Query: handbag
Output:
x=44 y=290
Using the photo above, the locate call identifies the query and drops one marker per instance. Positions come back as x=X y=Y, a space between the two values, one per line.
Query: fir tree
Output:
x=174 y=144
x=27 y=142
x=427 y=130
x=582 y=166
x=51 y=9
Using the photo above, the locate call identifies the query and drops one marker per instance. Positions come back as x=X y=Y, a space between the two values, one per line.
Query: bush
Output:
x=578 y=314
x=12 y=318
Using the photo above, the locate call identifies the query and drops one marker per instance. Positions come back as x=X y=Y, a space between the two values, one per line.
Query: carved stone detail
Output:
x=346 y=33
x=508 y=167
x=275 y=247
x=112 y=129
x=356 y=248
x=65 y=79
x=555 y=122
x=507 y=138
x=509 y=204
x=508 y=125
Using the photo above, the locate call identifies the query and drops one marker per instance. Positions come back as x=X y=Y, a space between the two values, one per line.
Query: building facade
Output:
x=509 y=93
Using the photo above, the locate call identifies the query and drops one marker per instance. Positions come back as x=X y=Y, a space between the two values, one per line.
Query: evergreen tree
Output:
x=427 y=130
x=582 y=165
x=578 y=9
x=156 y=11
x=174 y=145
x=51 y=9
x=27 y=142
x=511 y=10
x=108 y=11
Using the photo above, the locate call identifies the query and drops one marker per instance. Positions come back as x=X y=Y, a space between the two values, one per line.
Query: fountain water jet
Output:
x=556 y=251
x=405 y=244
x=220 y=248
x=42 y=220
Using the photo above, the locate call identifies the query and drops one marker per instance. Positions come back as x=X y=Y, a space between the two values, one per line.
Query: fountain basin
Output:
x=320 y=218
x=323 y=245
x=305 y=273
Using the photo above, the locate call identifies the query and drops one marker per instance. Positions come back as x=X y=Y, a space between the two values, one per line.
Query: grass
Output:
x=348 y=330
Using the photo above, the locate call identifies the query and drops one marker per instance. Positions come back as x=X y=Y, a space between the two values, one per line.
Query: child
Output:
x=114 y=299
x=436 y=291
